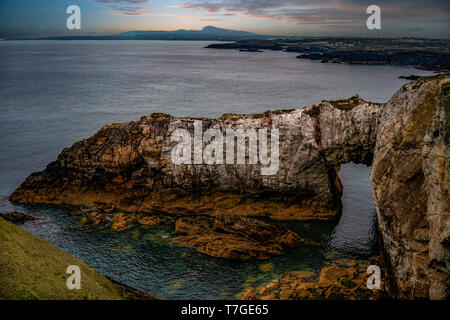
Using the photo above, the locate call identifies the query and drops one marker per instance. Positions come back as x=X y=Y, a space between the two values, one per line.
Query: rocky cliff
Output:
x=410 y=179
x=129 y=167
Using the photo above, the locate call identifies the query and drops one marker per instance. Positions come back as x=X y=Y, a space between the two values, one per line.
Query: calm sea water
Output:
x=53 y=93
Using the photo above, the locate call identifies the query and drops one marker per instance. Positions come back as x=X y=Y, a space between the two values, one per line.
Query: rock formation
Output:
x=118 y=222
x=32 y=268
x=16 y=217
x=410 y=179
x=128 y=167
x=234 y=237
x=395 y=51
x=344 y=280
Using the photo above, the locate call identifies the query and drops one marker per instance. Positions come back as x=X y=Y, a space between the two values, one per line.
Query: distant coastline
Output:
x=421 y=53
x=426 y=54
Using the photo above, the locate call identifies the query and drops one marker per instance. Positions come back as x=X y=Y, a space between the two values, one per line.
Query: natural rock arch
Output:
x=128 y=166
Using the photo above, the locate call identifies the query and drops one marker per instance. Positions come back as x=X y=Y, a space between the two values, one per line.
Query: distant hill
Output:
x=208 y=33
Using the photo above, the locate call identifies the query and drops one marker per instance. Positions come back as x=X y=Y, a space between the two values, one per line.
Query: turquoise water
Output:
x=53 y=93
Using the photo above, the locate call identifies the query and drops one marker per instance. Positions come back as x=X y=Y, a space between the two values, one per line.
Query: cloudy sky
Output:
x=415 y=18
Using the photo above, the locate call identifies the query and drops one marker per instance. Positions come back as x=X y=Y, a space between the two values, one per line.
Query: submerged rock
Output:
x=128 y=167
x=234 y=237
x=149 y=221
x=119 y=222
x=410 y=77
x=249 y=295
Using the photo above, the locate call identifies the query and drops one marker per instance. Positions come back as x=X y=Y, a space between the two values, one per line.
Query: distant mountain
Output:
x=208 y=33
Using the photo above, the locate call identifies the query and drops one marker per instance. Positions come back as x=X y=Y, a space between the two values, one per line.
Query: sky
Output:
x=399 y=18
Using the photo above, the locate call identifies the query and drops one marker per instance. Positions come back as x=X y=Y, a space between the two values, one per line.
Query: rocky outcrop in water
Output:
x=410 y=179
x=128 y=166
x=419 y=59
x=234 y=237
x=17 y=217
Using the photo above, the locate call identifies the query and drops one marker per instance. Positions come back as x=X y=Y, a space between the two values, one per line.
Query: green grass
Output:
x=32 y=268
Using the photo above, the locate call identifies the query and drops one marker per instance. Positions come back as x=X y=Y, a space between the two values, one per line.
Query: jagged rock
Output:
x=263 y=290
x=249 y=295
x=119 y=221
x=234 y=237
x=330 y=275
x=410 y=178
x=92 y=217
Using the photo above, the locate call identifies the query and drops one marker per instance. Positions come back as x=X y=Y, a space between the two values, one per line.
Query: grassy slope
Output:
x=32 y=268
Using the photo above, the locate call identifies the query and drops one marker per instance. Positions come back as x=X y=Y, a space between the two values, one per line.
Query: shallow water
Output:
x=139 y=258
x=54 y=93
